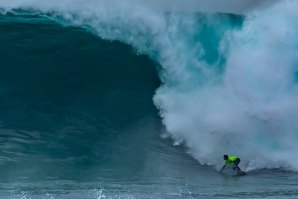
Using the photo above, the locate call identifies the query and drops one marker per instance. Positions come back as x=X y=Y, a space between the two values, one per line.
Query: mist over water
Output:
x=228 y=82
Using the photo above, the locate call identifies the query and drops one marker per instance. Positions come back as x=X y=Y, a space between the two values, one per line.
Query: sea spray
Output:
x=252 y=110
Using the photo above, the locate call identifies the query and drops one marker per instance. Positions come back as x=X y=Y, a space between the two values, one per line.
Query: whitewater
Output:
x=223 y=78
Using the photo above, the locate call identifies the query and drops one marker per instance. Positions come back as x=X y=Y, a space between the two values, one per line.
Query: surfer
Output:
x=231 y=160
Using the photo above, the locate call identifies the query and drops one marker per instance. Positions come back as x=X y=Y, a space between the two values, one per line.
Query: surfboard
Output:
x=241 y=173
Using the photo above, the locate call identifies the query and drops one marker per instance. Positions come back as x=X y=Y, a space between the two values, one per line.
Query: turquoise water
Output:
x=71 y=99
x=78 y=120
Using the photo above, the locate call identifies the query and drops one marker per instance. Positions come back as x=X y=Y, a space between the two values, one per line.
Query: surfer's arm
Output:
x=222 y=168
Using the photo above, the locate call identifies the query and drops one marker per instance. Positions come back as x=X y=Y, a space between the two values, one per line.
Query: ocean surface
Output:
x=117 y=102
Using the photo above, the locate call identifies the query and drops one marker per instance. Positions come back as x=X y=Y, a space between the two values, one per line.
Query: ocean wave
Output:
x=228 y=82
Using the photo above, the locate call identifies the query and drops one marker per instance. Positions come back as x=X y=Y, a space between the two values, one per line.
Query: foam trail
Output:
x=248 y=108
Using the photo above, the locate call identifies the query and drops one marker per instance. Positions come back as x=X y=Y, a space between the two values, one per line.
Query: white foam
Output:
x=253 y=111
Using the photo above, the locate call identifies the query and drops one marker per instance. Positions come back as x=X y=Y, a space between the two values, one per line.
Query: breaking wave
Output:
x=229 y=82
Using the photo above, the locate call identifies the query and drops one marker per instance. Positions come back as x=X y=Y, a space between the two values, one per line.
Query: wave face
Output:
x=70 y=101
x=229 y=83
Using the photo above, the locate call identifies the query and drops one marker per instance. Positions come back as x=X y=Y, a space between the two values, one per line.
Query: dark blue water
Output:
x=77 y=120
x=69 y=98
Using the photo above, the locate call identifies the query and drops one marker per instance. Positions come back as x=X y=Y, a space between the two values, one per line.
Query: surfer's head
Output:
x=225 y=157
